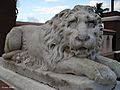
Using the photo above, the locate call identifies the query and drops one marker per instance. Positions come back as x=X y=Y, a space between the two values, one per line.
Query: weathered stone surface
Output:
x=59 y=52
x=19 y=82
x=59 y=81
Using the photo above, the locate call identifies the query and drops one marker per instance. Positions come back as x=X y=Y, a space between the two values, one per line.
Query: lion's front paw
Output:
x=113 y=64
x=105 y=76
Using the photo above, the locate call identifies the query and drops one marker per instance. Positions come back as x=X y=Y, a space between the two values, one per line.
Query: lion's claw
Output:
x=105 y=76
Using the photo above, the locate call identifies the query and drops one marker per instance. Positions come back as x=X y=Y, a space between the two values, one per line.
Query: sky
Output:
x=43 y=10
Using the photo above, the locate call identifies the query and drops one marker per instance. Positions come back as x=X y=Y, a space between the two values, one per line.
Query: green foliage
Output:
x=99 y=10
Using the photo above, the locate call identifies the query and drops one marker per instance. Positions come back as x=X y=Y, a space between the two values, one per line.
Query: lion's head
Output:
x=77 y=32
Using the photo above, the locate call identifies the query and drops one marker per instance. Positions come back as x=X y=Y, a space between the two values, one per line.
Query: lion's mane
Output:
x=57 y=40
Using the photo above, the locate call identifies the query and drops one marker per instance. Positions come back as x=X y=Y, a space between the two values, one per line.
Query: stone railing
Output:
x=113 y=23
x=107 y=49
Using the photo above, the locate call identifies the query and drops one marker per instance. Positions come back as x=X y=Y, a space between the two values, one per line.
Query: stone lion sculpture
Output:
x=68 y=43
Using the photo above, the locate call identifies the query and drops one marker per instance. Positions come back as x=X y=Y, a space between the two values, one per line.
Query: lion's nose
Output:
x=82 y=37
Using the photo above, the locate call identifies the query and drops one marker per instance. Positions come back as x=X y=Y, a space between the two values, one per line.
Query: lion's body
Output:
x=70 y=35
x=28 y=42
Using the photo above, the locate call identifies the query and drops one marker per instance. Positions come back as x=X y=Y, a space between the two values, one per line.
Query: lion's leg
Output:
x=113 y=64
x=93 y=70
x=13 y=42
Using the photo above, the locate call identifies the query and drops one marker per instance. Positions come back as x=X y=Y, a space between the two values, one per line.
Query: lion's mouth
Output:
x=81 y=52
x=78 y=51
x=82 y=48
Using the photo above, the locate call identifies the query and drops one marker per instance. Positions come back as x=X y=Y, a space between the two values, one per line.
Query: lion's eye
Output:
x=91 y=24
x=95 y=33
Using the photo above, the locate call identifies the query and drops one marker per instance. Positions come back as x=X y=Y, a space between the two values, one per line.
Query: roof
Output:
x=19 y=23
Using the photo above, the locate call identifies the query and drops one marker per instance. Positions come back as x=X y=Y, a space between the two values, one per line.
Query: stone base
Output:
x=19 y=82
x=58 y=81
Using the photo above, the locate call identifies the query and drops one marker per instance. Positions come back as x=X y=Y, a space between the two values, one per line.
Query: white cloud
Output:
x=32 y=19
x=50 y=10
x=51 y=0
x=117 y=5
x=105 y=3
x=93 y=2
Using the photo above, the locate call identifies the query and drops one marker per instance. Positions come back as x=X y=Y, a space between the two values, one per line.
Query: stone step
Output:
x=19 y=82
x=58 y=81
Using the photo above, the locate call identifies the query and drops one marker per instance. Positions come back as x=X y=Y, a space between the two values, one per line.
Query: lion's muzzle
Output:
x=82 y=37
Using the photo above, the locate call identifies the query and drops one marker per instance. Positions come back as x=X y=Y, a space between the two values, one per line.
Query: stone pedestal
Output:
x=19 y=82
x=57 y=81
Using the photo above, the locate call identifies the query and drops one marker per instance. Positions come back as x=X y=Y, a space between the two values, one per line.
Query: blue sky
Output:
x=43 y=10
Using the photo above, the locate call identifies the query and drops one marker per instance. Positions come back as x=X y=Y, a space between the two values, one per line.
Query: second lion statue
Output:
x=68 y=43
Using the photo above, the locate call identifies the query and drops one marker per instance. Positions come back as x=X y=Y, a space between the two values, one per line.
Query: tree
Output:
x=8 y=16
x=99 y=10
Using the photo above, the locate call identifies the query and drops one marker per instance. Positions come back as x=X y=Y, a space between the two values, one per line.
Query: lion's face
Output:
x=82 y=31
x=77 y=33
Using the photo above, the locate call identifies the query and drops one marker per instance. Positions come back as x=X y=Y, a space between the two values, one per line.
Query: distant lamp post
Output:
x=112 y=5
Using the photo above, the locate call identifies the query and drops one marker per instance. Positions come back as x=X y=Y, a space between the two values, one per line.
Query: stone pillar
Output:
x=107 y=49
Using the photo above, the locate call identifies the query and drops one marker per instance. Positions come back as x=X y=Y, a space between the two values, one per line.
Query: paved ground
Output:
x=23 y=83
x=19 y=82
x=4 y=86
